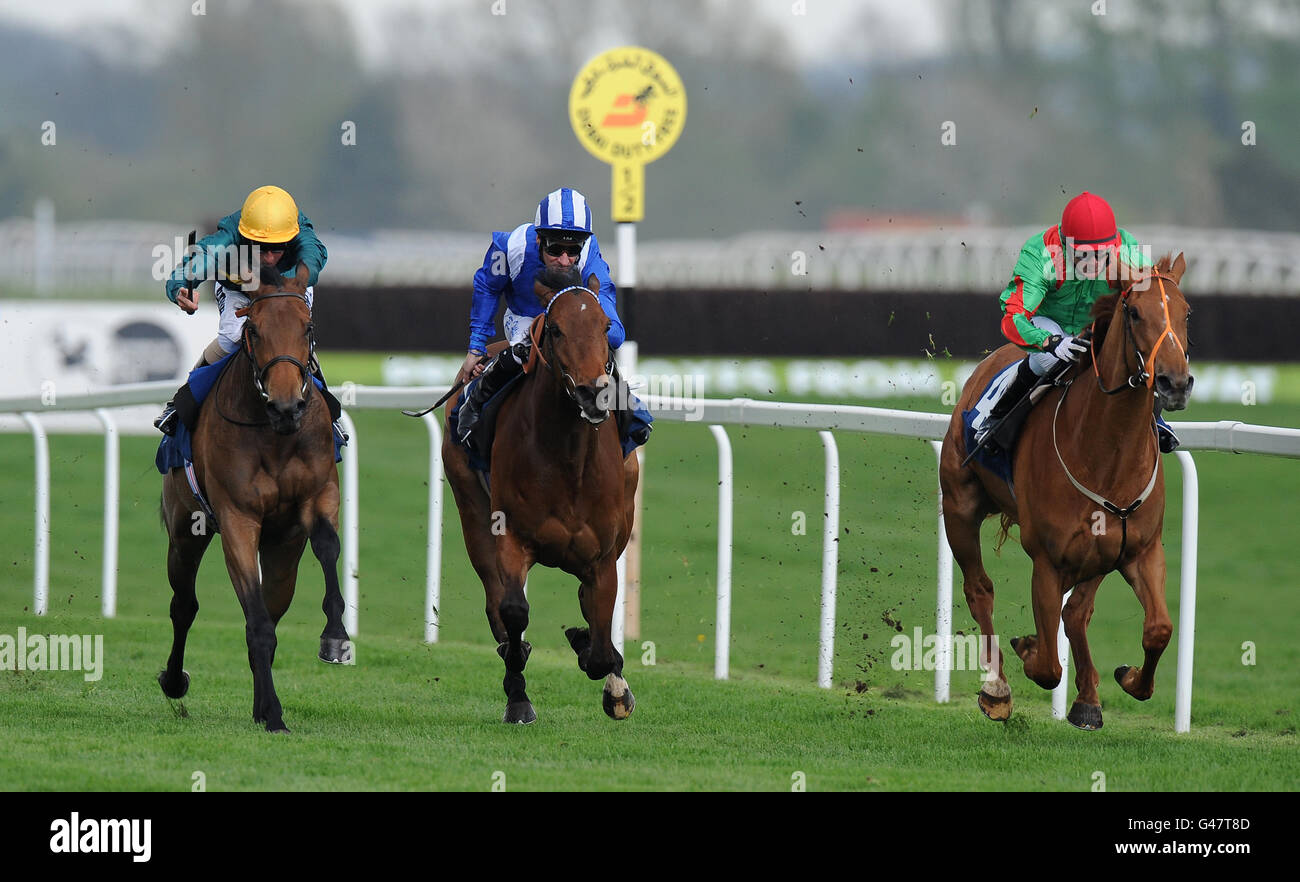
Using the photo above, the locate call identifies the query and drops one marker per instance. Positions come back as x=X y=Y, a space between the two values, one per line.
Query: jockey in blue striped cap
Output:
x=560 y=237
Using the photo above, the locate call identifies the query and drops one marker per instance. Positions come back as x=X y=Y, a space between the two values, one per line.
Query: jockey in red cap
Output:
x=1060 y=274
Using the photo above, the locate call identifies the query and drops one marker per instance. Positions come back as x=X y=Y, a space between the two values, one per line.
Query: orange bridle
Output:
x=1143 y=376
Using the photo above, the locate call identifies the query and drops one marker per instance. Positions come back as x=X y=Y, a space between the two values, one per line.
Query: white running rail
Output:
x=1226 y=436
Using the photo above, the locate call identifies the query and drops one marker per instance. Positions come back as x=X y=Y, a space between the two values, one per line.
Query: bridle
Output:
x=561 y=374
x=259 y=372
x=1142 y=376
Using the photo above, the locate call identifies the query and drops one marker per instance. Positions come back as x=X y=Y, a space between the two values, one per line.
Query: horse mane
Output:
x=552 y=279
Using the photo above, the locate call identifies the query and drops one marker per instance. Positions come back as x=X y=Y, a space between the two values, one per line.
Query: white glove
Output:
x=1065 y=348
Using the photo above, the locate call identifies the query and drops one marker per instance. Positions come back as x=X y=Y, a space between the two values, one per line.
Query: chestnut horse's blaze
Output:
x=264 y=456
x=1087 y=455
x=559 y=479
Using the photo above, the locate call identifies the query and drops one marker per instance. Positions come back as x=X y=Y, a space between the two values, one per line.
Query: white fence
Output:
x=1227 y=436
x=125 y=255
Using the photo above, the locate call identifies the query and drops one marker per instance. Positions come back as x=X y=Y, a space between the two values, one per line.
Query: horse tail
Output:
x=1004 y=529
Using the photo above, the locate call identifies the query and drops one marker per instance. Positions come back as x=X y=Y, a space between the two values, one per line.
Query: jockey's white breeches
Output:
x=1041 y=362
x=230 y=326
x=516 y=326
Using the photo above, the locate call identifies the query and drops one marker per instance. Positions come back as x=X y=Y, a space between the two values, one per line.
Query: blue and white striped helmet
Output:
x=564 y=211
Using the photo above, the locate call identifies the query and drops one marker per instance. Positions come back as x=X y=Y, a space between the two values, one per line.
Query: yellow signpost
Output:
x=627 y=107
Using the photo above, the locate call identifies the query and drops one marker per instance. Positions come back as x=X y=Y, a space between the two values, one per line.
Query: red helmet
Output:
x=1089 y=222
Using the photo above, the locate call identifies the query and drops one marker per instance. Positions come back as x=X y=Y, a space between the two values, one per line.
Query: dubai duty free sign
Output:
x=627 y=107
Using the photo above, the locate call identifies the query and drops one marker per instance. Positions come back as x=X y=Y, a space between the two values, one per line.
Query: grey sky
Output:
x=817 y=30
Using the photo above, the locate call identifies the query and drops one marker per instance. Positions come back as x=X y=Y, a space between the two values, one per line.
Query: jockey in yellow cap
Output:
x=283 y=236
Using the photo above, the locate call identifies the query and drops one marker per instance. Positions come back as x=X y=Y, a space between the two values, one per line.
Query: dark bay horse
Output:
x=1088 y=495
x=561 y=495
x=264 y=457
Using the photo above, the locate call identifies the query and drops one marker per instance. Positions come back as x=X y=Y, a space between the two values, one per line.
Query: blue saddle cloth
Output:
x=992 y=456
x=176 y=451
x=480 y=450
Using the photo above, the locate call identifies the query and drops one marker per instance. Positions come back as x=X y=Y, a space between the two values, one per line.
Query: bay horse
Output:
x=264 y=457
x=1088 y=493
x=561 y=495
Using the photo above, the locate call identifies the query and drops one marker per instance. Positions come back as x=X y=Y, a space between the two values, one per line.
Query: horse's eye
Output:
x=1133 y=314
x=252 y=329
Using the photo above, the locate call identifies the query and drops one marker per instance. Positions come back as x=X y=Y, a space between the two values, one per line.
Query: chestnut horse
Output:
x=264 y=457
x=561 y=495
x=1089 y=492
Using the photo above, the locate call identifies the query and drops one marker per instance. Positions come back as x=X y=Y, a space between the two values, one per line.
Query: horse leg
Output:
x=280 y=556
x=1039 y=652
x=1085 y=713
x=512 y=569
x=476 y=526
x=240 y=538
x=1146 y=574
x=184 y=553
x=325 y=545
x=597 y=656
x=963 y=514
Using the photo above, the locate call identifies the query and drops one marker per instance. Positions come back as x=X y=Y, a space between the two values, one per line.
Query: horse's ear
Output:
x=1122 y=273
x=243 y=311
x=300 y=278
x=544 y=294
x=1178 y=268
x=593 y=284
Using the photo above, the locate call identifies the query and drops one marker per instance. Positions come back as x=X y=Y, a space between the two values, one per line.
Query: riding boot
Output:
x=335 y=409
x=182 y=408
x=1168 y=440
x=1024 y=380
x=626 y=410
x=505 y=367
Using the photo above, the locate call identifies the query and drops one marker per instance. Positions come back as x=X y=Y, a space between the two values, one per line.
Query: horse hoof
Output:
x=174 y=693
x=1085 y=716
x=1022 y=646
x=520 y=712
x=277 y=729
x=1121 y=673
x=335 y=650
x=579 y=639
x=996 y=709
x=618 y=708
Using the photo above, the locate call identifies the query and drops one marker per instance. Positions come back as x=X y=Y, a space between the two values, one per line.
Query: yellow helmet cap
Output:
x=269 y=215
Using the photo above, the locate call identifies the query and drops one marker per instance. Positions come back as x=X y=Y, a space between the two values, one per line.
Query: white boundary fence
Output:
x=1227 y=436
